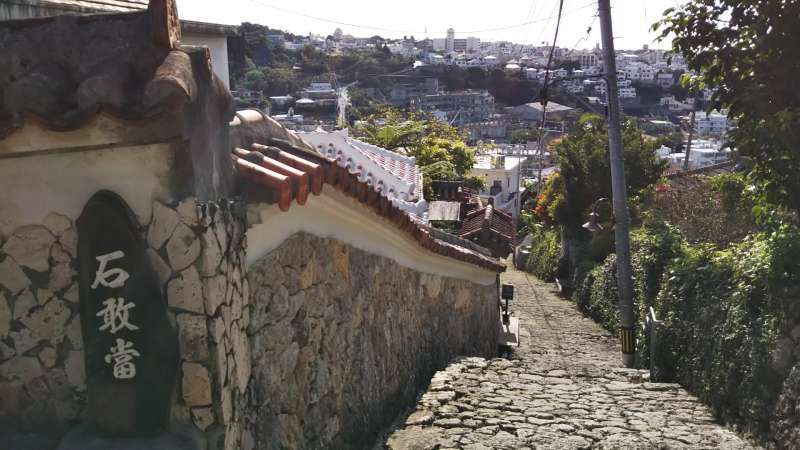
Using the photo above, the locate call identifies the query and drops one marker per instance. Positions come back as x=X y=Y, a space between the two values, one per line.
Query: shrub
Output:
x=545 y=251
x=651 y=250
x=597 y=295
x=724 y=311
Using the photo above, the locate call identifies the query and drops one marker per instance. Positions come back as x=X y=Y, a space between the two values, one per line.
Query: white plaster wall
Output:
x=33 y=186
x=218 y=47
x=102 y=131
x=332 y=214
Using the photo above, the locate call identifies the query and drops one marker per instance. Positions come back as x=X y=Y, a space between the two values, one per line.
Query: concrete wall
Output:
x=218 y=47
x=37 y=185
x=343 y=339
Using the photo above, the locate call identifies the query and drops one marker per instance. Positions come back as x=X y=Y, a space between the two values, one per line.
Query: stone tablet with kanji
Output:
x=131 y=347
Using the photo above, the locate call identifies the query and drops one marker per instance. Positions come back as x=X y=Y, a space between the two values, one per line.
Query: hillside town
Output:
x=225 y=229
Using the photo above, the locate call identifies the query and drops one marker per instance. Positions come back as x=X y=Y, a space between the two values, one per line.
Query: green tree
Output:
x=255 y=80
x=747 y=53
x=585 y=173
x=439 y=148
x=523 y=135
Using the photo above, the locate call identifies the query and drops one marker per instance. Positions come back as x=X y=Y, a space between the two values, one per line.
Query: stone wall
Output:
x=197 y=251
x=42 y=380
x=341 y=340
x=785 y=420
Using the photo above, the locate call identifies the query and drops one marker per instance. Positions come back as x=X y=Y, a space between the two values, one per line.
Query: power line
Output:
x=544 y=28
x=544 y=19
x=545 y=94
x=394 y=30
x=529 y=17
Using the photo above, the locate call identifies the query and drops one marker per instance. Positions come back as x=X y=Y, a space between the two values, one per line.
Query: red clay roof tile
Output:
x=268 y=166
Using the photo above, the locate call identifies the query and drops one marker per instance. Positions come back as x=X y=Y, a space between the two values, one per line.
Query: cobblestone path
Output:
x=563 y=389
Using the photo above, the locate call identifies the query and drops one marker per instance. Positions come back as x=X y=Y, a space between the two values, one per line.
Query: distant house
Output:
x=490 y=228
x=460 y=108
x=501 y=177
x=713 y=123
x=534 y=111
x=212 y=35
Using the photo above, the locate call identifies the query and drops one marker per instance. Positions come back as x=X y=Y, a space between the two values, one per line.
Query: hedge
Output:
x=544 y=257
x=723 y=311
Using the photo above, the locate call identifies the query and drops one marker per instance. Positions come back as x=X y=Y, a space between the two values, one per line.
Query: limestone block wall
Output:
x=784 y=430
x=197 y=251
x=341 y=340
x=42 y=380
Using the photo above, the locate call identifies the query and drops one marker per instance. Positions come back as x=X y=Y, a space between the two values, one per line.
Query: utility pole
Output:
x=691 y=135
x=619 y=196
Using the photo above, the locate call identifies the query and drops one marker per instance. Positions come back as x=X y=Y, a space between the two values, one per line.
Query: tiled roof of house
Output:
x=398 y=175
x=293 y=174
x=93 y=6
x=488 y=218
x=135 y=71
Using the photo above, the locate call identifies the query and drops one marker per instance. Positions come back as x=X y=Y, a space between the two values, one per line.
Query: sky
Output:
x=519 y=21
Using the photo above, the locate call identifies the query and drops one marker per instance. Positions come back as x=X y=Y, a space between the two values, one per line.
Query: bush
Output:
x=723 y=312
x=597 y=295
x=651 y=250
x=545 y=251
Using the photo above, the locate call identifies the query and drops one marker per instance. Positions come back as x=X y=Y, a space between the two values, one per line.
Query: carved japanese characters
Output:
x=131 y=348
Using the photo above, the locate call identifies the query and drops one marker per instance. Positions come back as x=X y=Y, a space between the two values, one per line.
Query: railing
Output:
x=653 y=326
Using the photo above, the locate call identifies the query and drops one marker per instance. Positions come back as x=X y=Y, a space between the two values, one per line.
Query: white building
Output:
x=639 y=71
x=450 y=40
x=665 y=79
x=703 y=153
x=501 y=178
x=675 y=105
x=586 y=59
x=627 y=92
x=713 y=123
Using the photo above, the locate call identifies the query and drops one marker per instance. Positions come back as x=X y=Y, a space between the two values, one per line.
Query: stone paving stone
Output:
x=563 y=388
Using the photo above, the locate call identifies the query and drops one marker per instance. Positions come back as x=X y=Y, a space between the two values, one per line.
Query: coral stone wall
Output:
x=42 y=380
x=197 y=250
x=342 y=340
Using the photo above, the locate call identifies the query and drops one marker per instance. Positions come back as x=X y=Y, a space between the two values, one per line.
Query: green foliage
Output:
x=651 y=250
x=723 y=311
x=477 y=184
x=510 y=90
x=568 y=64
x=544 y=257
x=649 y=94
x=278 y=63
x=438 y=147
x=673 y=140
x=747 y=53
x=255 y=80
x=596 y=294
x=523 y=135
x=583 y=162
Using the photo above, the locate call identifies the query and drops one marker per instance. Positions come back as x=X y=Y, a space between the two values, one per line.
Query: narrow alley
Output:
x=562 y=389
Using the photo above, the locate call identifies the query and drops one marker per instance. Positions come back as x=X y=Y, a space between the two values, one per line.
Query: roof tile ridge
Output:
x=384 y=151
